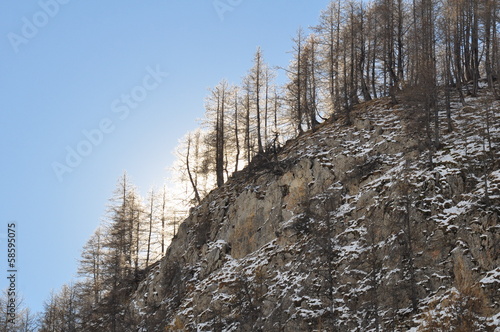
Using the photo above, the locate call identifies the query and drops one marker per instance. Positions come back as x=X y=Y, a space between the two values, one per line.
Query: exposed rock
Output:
x=355 y=232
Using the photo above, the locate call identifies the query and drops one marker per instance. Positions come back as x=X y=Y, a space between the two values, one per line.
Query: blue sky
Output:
x=117 y=83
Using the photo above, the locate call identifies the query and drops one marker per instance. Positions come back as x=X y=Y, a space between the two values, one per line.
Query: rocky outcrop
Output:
x=348 y=229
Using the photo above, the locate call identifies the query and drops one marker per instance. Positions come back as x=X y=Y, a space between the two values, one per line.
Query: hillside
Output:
x=347 y=228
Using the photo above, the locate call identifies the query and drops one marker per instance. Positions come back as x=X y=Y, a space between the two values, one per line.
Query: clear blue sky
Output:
x=66 y=67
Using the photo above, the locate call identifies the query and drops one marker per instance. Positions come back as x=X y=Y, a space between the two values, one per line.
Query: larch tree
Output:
x=248 y=127
x=91 y=266
x=20 y=319
x=269 y=101
x=50 y=321
x=217 y=106
x=163 y=214
x=151 y=215
x=363 y=59
x=191 y=165
x=490 y=18
x=428 y=81
x=61 y=311
x=121 y=263
x=257 y=80
x=310 y=82
x=328 y=31
x=236 y=130
x=295 y=86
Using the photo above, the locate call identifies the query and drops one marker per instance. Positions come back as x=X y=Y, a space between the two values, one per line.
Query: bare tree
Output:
x=163 y=219
x=90 y=265
x=61 y=311
x=14 y=316
x=121 y=263
x=328 y=31
x=216 y=108
x=295 y=87
x=151 y=216
x=310 y=82
x=257 y=80
x=490 y=18
x=236 y=134
x=190 y=158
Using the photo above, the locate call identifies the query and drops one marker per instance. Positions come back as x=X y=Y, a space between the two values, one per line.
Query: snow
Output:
x=492 y=277
x=495 y=322
x=455 y=163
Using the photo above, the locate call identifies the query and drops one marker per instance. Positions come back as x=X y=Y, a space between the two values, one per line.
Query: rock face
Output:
x=346 y=229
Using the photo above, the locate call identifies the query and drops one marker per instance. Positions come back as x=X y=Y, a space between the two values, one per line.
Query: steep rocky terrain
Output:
x=349 y=228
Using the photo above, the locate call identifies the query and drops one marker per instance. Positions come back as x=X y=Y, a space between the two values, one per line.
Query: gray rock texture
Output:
x=348 y=228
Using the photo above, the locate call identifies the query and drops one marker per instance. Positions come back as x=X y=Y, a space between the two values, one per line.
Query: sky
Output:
x=90 y=89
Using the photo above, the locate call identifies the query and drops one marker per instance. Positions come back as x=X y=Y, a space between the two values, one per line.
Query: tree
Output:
x=61 y=311
x=428 y=80
x=392 y=34
x=216 y=109
x=269 y=75
x=350 y=95
x=447 y=66
x=362 y=57
x=328 y=32
x=374 y=275
x=29 y=321
x=408 y=235
x=236 y=134
x=151 y=215
x=163 y=210
x=325 y=242
x=192 y=164
x=14 y=316
x=257 y=79
x=220 y=133
x=455 y=17
x=121 y=264
x=490 y=18
x=136 y=211
x=422 y=97
x=50 y=316
x=310 y=83
x=295 y=87
x=91 y=265
x=247 y=119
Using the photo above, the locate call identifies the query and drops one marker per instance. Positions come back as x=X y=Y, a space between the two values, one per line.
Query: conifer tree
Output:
x=91 y=265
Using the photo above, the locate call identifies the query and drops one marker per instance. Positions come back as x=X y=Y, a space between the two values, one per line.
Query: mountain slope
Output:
x=345 y=229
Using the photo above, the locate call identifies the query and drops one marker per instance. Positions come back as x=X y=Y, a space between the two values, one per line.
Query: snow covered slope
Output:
x=348 y=228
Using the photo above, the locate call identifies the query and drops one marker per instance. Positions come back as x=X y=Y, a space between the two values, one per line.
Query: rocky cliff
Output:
x=349 y=228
